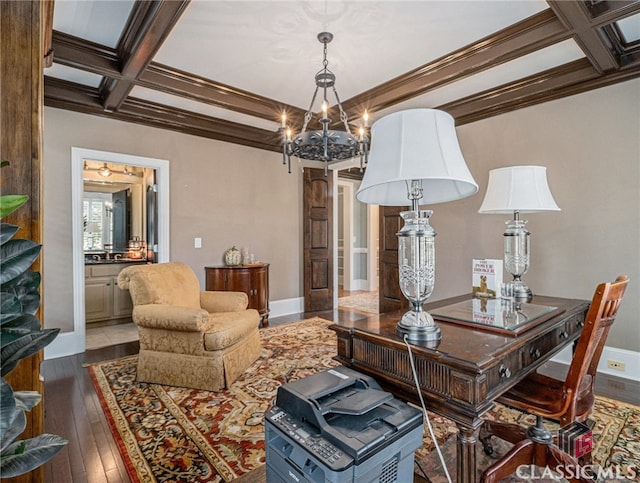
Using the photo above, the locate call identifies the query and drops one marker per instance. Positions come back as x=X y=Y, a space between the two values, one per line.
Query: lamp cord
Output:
x=424 y=409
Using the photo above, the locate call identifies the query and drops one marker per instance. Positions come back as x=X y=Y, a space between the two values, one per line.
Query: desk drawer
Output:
x=535 y=352
x=570 y=328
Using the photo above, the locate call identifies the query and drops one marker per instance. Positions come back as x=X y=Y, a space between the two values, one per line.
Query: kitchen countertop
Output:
x=112 y=261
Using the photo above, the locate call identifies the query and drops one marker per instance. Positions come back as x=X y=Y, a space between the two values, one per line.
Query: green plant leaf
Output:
x=12 y=420
x=28 y=281
x=23 y=347
x=26 y=322
x=26 y=400
x=16 y=257
x=10 y=307
x=23 y=456
x=10 y=203
x=7 y=230
x=26 y=288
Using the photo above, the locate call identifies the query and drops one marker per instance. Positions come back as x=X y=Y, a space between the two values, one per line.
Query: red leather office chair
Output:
x=546 y=397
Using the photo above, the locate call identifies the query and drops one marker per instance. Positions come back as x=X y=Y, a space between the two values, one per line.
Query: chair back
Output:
x=582 y=371
x=172 y=283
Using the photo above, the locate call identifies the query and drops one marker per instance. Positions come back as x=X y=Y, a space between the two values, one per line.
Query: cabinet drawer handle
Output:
x=504 y=372
x=580 y=323
x=534 y=352
x=564 y=334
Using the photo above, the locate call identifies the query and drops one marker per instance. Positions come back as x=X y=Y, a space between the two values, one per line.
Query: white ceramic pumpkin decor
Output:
x=233 y=256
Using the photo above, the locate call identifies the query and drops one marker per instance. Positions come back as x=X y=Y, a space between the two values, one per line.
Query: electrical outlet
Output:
x=617 y=365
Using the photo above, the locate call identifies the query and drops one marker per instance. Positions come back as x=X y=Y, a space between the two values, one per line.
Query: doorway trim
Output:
x=69 y=343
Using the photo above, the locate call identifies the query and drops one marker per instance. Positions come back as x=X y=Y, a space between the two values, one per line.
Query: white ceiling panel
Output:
x=271 y=49
x=100 y=22
x=630 y=27
x=73 y=75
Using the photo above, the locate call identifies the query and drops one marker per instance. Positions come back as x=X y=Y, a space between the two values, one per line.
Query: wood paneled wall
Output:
x=21 y=111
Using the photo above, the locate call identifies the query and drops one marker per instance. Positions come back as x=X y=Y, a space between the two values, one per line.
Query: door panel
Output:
x=391 y=297
x=318 y=240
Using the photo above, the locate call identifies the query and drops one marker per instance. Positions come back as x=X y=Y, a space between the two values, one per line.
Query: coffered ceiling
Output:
x=228 y=69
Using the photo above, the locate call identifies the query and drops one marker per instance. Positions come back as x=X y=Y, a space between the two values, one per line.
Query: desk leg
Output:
x=466 y=455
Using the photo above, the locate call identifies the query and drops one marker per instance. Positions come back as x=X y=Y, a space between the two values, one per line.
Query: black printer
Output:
x=338 y=425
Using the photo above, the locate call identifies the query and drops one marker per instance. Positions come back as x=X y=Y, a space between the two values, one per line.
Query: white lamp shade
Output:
x=416 y=144
x=518 y=188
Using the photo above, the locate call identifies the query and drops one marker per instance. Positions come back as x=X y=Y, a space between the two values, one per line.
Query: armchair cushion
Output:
x=213 y=301
x=172 y=317
x=227 y=328
x=161 y=283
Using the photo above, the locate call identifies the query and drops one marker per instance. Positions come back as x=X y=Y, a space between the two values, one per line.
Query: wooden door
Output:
x=391 y=297
x=318 y=240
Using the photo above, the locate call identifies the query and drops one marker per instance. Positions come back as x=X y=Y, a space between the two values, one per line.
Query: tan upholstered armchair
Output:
x=188 y=337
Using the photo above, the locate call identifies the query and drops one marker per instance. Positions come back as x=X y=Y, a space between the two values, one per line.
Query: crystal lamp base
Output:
x=418 y=326
x=521 y=292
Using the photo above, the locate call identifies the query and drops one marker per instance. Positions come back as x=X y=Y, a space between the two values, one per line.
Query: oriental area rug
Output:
x=172 y=434
x=363 y=302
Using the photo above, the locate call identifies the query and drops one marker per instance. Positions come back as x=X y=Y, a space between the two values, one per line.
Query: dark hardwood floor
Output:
x=73 y=411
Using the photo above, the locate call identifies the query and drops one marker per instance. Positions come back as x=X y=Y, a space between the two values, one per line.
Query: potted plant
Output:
x=20 y=337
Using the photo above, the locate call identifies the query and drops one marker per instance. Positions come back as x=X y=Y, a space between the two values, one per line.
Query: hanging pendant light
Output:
x=325 y=144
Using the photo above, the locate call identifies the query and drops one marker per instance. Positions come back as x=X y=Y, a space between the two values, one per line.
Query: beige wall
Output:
x=223 y=193
x=230 y=194
x=590 y=144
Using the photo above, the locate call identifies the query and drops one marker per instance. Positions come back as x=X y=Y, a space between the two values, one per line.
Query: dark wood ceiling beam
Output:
x=74 y=97
x=69 y=93
x=173 y=81
x=577 y=18
x=532 y=34
x=158 y=115
x=148 y=26
x=613 y=11
x=84 y=55
x=566 y=80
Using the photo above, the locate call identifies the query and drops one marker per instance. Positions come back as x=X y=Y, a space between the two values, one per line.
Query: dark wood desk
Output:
x=469 y=368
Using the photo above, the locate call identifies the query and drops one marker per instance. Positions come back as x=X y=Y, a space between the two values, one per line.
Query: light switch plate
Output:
x=197 y=242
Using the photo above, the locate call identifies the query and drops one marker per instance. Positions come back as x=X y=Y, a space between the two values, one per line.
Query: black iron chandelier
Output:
x=325 y=144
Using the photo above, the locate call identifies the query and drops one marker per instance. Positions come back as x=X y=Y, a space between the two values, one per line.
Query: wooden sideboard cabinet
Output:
x=252 y=280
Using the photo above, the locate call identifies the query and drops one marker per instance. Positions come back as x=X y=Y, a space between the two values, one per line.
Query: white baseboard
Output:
x=65 y=344
x=278 y=308
x=630 y=359
x=357 y=285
